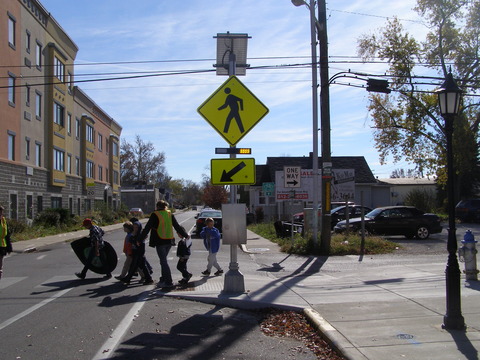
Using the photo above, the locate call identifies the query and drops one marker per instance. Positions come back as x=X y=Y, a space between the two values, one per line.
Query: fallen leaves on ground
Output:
x=295 y=325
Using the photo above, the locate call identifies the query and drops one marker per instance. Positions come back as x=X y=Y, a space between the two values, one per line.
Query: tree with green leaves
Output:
x=140 y=165
x=407 y=123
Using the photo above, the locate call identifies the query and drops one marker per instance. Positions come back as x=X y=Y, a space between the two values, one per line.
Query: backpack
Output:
x=183 y=249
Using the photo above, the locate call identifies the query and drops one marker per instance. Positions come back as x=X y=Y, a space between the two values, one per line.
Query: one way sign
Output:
x=291 y=174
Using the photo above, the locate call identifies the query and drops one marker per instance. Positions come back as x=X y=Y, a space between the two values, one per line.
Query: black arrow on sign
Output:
x=294 y=182
x=227 y=176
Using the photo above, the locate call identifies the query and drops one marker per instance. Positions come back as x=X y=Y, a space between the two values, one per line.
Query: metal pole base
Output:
x=453 y=319
x=234 y=282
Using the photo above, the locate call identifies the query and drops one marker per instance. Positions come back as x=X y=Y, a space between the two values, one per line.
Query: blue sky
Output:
x=168 y=36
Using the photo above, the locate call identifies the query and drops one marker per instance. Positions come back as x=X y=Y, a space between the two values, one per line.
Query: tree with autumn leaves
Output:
x=407 y=123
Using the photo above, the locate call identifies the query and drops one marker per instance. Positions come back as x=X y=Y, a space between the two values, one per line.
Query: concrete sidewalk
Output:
x=378 y=307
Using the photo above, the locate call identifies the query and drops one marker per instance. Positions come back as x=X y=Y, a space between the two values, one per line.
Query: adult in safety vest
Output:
x=5 y=243
x=160 y=225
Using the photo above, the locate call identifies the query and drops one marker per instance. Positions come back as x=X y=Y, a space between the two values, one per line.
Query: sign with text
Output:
x=291 y=176
x=302 y=193
x=342 y=186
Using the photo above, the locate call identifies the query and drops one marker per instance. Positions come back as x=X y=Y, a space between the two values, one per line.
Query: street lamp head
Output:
x=299 y=2
x=449 y=96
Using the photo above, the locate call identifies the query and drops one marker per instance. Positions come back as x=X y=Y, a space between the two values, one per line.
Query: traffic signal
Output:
x=376 y=85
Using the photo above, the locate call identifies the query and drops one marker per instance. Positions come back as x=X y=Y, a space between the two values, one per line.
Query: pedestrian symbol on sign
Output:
x=233 y=103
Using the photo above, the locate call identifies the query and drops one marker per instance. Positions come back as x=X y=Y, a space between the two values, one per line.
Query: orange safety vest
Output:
x=3 y=233
x=164 y=230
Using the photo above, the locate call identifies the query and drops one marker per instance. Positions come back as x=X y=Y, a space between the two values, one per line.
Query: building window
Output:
x=106 y=146
x=100 y=173
x=77 y=128
x=38 y=55
x=27 y=95
x=27 y=148
x=58 y=114
x=90 y=133
x=58 y=160
x=56 y=202
x=38 y=105
x=11 y=89
x=69 y=124
x=39 y=204
x=28 y=38
x=69 y=163
x=59 y=69
x=38 y=154
x=11 y=145
x=115 y=148
x=77 y=166
x=69 y=80
x=100 y=142
x=13 y=206
x=29 y=208
x=90 y=167
x=11 y=31
x=106 y=175
x=115 y=177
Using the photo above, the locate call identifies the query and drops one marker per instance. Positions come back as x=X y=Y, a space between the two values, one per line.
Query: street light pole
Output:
x=313 y=37
x=449 y=96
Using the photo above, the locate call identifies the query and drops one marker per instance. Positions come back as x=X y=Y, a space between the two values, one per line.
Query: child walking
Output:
x=127 y=249
x=183 y=253
x=211 y=241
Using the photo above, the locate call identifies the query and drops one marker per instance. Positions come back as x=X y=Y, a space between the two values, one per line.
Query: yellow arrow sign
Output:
x=232 y=171
x=232 y=110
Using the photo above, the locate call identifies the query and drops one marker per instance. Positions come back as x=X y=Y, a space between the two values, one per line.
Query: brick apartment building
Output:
x=58 y=148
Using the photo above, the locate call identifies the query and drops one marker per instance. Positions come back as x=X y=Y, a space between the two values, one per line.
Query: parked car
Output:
x=337 y=213
x=395 y=220
x=216 y=215
x=136 y=212
x=354 y=211
x=468 y=210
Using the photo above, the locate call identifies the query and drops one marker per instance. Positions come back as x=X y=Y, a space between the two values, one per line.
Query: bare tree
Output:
x=140 y=164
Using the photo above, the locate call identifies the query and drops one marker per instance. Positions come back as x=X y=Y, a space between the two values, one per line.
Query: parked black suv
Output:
x=468 y=210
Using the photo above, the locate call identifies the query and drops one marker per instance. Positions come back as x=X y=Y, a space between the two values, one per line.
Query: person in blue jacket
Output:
x=211 y=241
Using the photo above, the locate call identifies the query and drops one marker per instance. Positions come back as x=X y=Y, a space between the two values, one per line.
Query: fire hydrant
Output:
x=468 y=254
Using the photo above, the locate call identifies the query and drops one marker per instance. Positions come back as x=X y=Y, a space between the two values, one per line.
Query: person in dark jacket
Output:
x=5 y=242
x=138 y=257
x=183 y=253
x=160 y=225
x=96 y=240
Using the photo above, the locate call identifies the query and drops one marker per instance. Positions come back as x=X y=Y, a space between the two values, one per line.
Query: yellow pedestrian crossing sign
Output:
x=232 y=171
x=233 y=110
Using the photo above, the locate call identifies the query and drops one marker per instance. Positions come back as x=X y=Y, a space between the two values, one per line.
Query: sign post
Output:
x=232 y=110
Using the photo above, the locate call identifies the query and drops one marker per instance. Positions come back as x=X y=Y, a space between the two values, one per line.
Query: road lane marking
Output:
x=108 y=348
x=33 y=308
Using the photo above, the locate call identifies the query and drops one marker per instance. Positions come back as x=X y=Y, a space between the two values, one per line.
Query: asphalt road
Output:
x=47 y=313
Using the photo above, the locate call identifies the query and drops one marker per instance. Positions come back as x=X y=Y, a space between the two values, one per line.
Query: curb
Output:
x=331 y=335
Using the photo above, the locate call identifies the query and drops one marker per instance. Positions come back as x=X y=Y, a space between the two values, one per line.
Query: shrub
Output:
x=421 y=199
x=341 y=244
x=15 y=226
x=53 y=218
x=259 y=215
